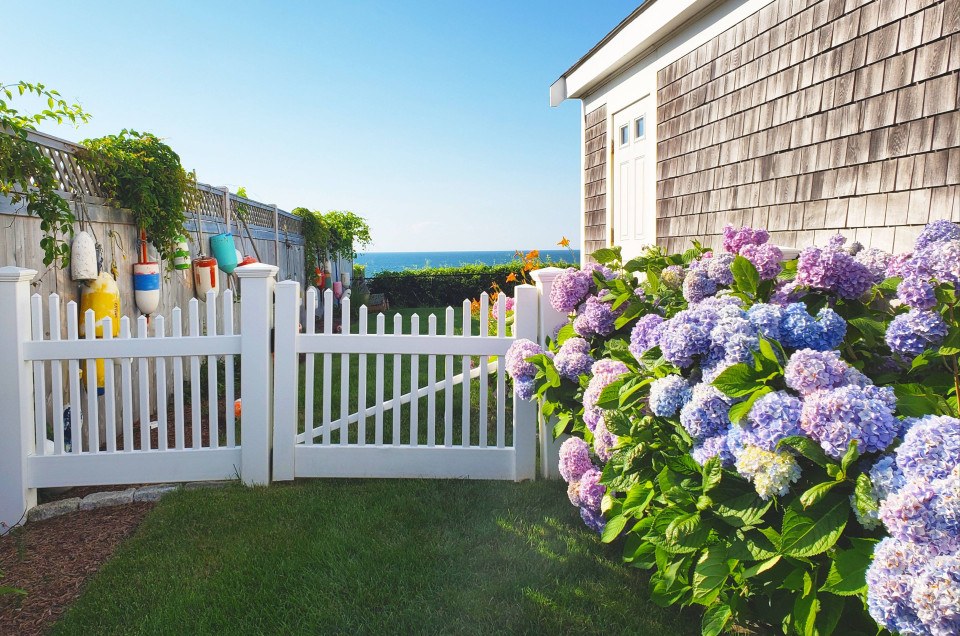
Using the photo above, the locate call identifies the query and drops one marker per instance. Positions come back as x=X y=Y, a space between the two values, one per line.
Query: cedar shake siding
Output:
x=812 y=117
x=595 y=180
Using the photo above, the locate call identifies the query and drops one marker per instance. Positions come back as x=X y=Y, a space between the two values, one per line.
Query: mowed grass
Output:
x=370 y=557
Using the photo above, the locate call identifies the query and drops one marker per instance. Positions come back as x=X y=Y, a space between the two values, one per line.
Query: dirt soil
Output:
x=53 y=560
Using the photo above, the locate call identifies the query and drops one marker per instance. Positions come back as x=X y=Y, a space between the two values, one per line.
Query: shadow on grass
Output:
x=376 y=556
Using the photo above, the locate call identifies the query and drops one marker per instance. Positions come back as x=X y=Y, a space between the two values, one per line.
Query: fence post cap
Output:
x=546 y=274
x=256 y=270
x=14 y=274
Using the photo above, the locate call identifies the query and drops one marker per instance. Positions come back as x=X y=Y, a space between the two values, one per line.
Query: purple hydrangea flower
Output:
x=943 y=261
x=930 y=448
x=604 y=373
x=917 y=292
x=936 y=232
x=706 y=414
x=774 y=417
x=596 y=318
x=603 y=441
x=890 y=580
x=926 y=512
x=735 y=239
x=711 y=447
x=669 y=394
x=574 y=459
x=912 y=333
x=833 y=270
x=809 y=371
x=799 y=330
x=718 y=268
x=516 y=359
x=785 y=292
x=766 y=318
x=876 y=261
x=570 y=288
x=697 y=285
x=593 y=519
x=596 y=268
x=835 y=417
x=672 y=276
x=525 y=388
x=591 y=490
x=645 y=334
x=573 y=359
x=768 y=259
x=898 y=265
x=936 y=595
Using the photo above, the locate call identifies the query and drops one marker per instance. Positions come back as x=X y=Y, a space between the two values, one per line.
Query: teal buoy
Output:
x=224 y=250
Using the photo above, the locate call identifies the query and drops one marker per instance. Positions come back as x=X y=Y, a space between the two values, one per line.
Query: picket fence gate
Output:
x=424 y=429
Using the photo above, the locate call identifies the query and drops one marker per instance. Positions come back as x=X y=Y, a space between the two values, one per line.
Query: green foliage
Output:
x=141 y=173
x=29 y=177
x=441 y=286
x=334 y=235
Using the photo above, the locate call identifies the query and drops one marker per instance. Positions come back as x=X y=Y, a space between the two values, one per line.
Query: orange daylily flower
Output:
x=527 y=267
x=564 y=242
x=533 y=254
x=511 y=277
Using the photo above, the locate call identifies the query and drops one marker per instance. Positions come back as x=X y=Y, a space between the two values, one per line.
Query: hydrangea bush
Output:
x=777 y=442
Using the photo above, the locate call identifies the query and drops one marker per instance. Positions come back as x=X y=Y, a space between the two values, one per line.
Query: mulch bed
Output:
x=53 y=560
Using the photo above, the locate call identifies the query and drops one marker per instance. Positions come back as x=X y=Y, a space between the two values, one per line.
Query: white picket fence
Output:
x=417 y=430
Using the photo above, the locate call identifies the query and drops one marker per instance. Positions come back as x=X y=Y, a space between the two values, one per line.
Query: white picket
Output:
x=501 y=376
x=73 y=371
x=126 y=388
x=56 y=378
x=39 y=383
x=465 y=385
x=327 y=365
x=143 y=371
x=228 y=371
x=484 y=414
x=194 y=318
x=310 y=317
x=378 y=391
x=414 y=385
x=178 y=426
x=160 y=367
x=448 y=384
x=431 y=388
x=213 y=392
x=362 y=383
x=344 y=371
x=109 y=392
x=93 y=411
x=397 y=330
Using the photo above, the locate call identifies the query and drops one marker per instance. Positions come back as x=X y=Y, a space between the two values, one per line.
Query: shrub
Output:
x=777 y=442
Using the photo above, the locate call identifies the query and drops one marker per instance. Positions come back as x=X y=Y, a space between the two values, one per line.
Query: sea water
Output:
x=399 y=261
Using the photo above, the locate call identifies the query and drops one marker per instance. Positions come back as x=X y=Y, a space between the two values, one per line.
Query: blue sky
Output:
x=430 y=119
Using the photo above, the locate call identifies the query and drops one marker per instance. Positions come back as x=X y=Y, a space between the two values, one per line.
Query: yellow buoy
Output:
x=103 y=297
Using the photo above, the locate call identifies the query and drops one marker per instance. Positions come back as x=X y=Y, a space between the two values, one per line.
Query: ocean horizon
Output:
x=376 y=262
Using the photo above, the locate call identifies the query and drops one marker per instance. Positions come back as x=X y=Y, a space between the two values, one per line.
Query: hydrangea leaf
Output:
x=814 y=530
x=863 y=497
x=745 y=275
x=710 y=574
x=741 y=409
x=743 y=510
x=815 y=493
x=848 y=570
x=613 y=528
x=606 y=255
x=806 y=447
x=804 y=614
x=715 y=619
x=738 y=380
x=610 y=395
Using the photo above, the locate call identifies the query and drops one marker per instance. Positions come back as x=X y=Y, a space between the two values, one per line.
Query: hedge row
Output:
x=444 y=286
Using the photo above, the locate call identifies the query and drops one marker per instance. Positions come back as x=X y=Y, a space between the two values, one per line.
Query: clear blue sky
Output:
x=430 y=119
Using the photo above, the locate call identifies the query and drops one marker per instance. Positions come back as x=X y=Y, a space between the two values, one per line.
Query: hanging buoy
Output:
x=83 y=257
x=205 y=276
x=146 y=287
x=327 y=274
x=345 y=279
x=181 y=256
x=224 y=250
x=103 y=297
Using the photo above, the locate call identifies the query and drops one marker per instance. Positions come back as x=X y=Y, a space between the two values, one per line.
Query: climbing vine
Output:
x=29 y=177
x=336 y=234
x=139 y=172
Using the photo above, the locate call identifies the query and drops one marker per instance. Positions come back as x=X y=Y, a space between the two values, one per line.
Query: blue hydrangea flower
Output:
x=808 y=371
x=890 y=580
x=936 y=595
x=516 y=359
x=718 y=268
x=799 y=330
x=926 y=512
x=936 y=232
x=767 y=259
x=669 y=394
x=711 y=447
x=697 y=285
x=574 y=459
x=591 y=490
x=593 y=519
x=835 y=417
x=603 y=441
x=573 y=359
x=912 y=333
x=525 y=388
x=596 y=318
x=930 y=448
x=604 y=373
x=773 y=417
x=570 y=288
x=771 y=473
x=734 y=339
x=645 y=334
x=706 y=414
x=885 y=479
x=766 y=318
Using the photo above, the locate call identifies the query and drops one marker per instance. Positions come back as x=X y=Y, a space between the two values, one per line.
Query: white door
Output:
x=634 y=220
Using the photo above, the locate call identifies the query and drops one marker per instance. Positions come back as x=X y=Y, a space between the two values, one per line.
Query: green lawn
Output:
x=376 y=556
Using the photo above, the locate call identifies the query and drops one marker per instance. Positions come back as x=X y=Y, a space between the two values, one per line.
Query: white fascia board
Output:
x=647 y=30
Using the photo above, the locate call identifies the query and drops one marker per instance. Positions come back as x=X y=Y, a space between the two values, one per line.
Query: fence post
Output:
x=550 y=321
x=16 y=396
x=286 y=379
x=525 y=316
x=257 y=283
x=276 y=234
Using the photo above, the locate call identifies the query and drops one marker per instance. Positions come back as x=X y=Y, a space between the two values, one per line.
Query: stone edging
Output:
x=115 y=498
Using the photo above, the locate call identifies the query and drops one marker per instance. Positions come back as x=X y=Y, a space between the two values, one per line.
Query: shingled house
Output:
x=806 y=117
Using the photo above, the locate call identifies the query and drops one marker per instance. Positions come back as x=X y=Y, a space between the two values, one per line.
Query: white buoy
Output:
x=181 y=256
x=146 y=287
x=83 y=257
x=205 y=276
